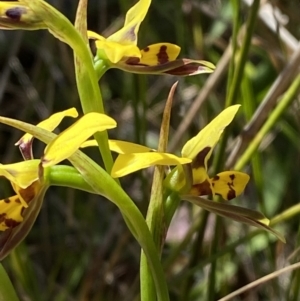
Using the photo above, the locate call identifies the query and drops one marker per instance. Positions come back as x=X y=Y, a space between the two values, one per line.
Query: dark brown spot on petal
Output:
x=146 y=49
x=231 y=194
x=2 y=217
x=162 y=55
x=132 y=61
x=15 y=13
x=28 y=193
x=7 y=200
x=203 y=188
x=200 y=158
x=18 y=201
x=216 y=178
x=11 y=223
x=186 y=69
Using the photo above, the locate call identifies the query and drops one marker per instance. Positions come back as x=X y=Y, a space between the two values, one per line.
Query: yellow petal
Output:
x=199 y=175
x=208 y=137
x=134 y=17
x=124 y=147
x=158 y=54
x=94 y=36
x=50 y=123
x=229 y=184
x=128 y=163
x=120 y=147
x=10 y=212
x=66 y=143
x=23 y=174
x=115 y=51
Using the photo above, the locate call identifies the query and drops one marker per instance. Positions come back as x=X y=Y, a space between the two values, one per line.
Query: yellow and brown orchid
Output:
x=30 y=178
x=196 y=151
x=190 y=179
x=120 y=50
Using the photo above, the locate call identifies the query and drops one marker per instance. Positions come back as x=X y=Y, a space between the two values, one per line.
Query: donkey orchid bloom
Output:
x=197 y=150
x=30 y=178
x=120 y=50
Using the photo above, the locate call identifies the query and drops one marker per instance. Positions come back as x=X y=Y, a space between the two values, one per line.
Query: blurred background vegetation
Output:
x=79 y=248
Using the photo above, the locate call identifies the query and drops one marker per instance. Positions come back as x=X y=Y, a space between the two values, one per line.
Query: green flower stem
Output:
x=102 y=183
x=172 y=202
x=155 y=222
x=70 y=177
x=7 y=291
x=87 y=82
x=288 y=97
x=67 y=176
x=155 y=218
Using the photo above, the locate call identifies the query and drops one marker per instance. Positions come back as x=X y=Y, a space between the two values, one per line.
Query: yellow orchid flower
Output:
x=29 y=178
x=197 y=150
x=120 y=50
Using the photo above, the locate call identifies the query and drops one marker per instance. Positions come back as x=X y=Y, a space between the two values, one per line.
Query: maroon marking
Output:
x=162 y=55
x=146 y=49
x=15 y=13
x=200 y=158
x=132 y=61
x=232 y=177
x=2 y=217
x=231 y=194
x=11 y=223
x=216 y=178
x=28 y=193
x=6 y=200
x=203 y=188
x=185 y=69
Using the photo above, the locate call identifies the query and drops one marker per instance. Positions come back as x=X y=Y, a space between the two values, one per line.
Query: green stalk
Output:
x=270 y=122
x=87 y=82
x=7 y=291
x=155 y=218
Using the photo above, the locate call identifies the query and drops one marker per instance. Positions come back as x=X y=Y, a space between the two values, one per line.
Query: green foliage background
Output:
x=79 y=248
